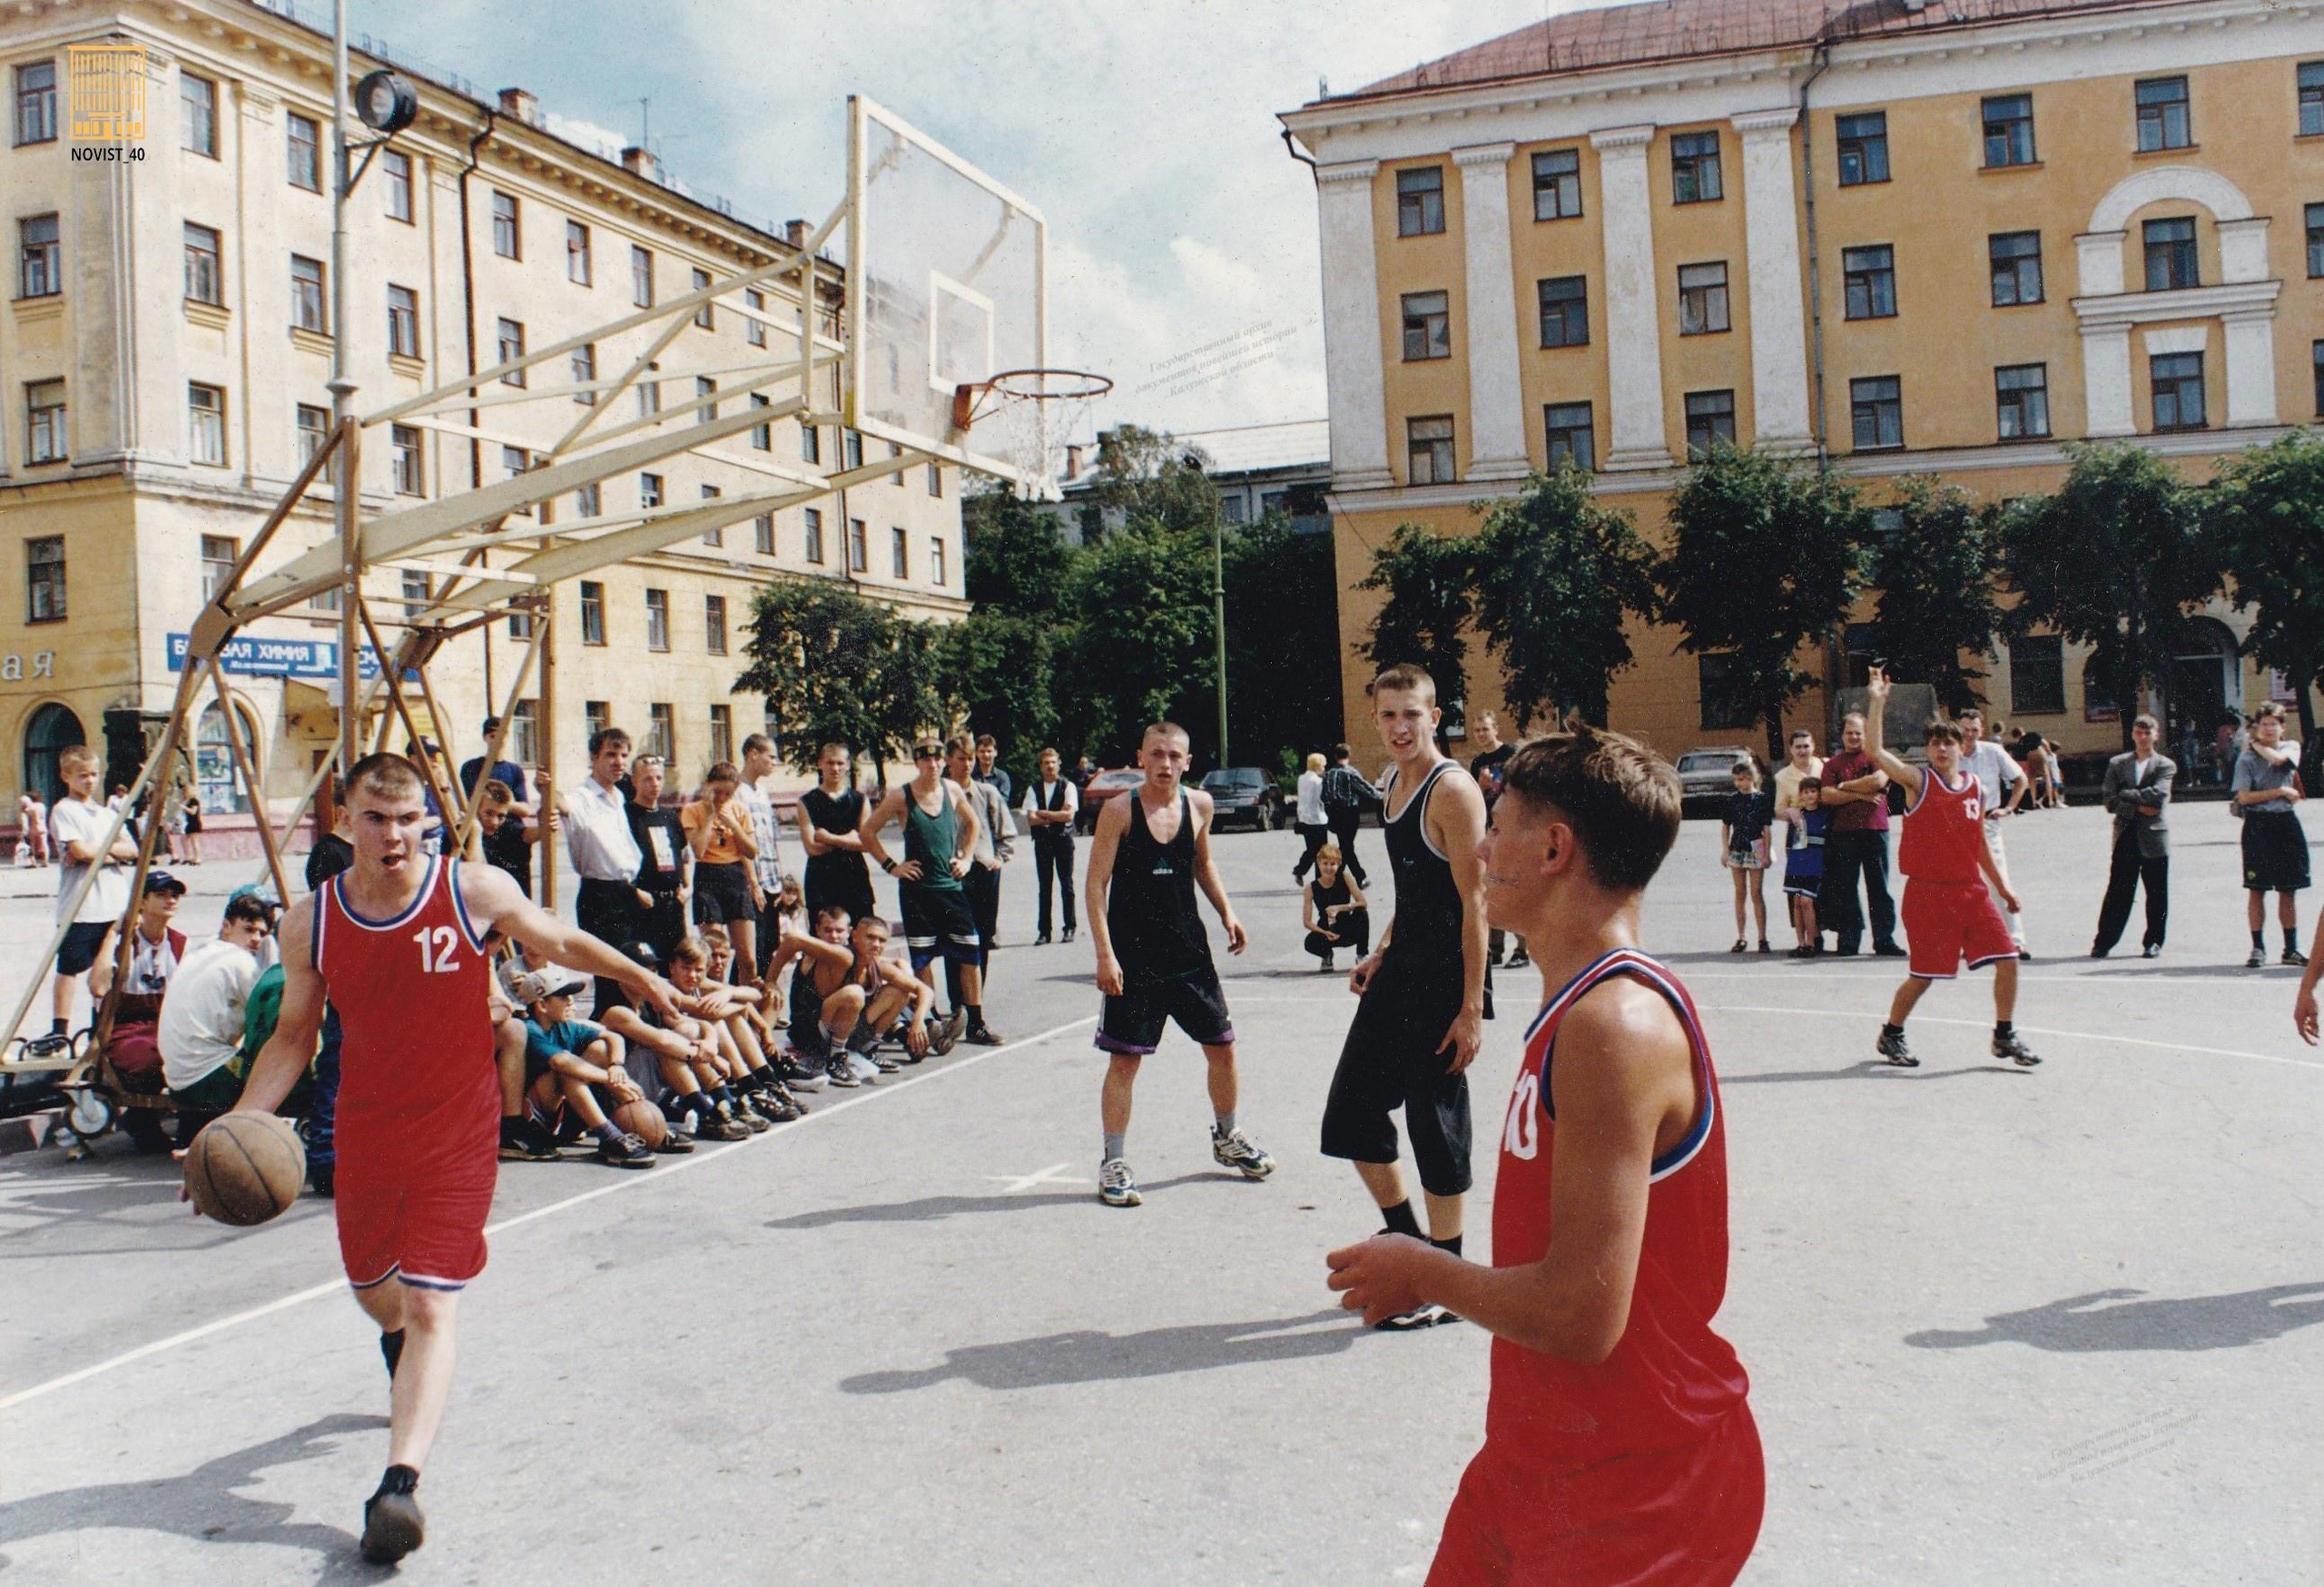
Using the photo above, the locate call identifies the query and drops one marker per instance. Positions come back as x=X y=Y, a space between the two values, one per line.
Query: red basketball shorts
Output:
x=1686 y=1517
x=1947 y=921
x=421 y=1223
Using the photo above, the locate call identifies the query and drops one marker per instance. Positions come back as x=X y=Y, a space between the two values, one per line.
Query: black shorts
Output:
x=722 y=895
x=79 y=948
x=841 y=879
x=2275 y=853
x=1391 y=1061
x=938 y=923
x=1132 y=1023
x=808 y=1037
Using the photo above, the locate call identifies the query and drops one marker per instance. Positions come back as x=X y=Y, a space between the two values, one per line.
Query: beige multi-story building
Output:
x=1937 y=238
x=164 y=361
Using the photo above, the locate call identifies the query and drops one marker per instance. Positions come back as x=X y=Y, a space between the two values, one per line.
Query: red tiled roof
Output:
x=1673 y=30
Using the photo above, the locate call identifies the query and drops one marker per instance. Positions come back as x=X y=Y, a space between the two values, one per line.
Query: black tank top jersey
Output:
x=1330 y=897
x=1151 y=905
x=839 y=813
x=1428 y=902
x=806 y=1002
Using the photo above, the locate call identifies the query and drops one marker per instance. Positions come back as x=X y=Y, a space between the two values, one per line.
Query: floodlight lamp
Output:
x=386 y=103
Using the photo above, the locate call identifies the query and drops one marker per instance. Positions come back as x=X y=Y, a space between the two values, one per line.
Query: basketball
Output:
x=245 y=1167
x=642 y=1119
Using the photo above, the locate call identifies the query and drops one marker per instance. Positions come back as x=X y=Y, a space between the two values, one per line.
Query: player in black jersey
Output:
x=1151 y=851
x=1419 y=1022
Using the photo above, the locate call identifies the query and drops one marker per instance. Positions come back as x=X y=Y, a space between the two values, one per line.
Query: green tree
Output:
x=1936 y=573
x=1766 y=555
x=1430 y=580
x=1149 y=479
x=1143 y=647
x=834 y=667
x=2266 y=508
x=1018 y=563
x=2113 y=561
x=1283 y=645
x=996 y=674
x=1556 y=575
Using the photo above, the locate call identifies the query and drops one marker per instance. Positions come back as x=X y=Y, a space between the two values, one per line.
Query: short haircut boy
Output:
x=389 y=776
x=1404 y=676
x=604 y=736
x=1621 y=799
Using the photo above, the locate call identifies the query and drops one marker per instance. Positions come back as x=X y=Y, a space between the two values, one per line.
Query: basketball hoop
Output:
x=1032 y=414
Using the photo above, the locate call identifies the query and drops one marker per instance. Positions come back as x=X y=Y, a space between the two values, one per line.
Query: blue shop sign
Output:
x=282 y=658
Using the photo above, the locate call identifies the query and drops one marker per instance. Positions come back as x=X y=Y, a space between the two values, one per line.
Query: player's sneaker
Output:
x=948 y=1032
x=1420 y=1316
x=673 y=1145
x=1233 y=1149
x=840 y=1072
x=755 y=1121
x=797 y=1076
x=2258 y=960
x=1116 y=1186
x=984 y=1035
x=1892 y=1048
x=2293 y=956
x=527 y=1140
x=2013 y=1047
x=862 y=1067
x=628 y=1152
x=392 y=1523
x=721 y=1126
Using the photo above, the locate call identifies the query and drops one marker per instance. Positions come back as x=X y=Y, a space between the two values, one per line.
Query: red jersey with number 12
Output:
x=418 y=1091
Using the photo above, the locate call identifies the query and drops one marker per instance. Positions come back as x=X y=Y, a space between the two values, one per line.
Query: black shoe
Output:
x=2258 y=960
x=2098 y=953
x=1892 y=1048
x=392 y=1523
x=321 y=1177
x=2024 y=955
x=1041 y=939
x=2013 y=1047
x=527 y=1140
x=1887 y=950
x=628 y=1152
x=1844 y=952
x=2151 y=950
x=1517 y=961
x=947 y=1033
x=1420 y=1316
x=1068 y=933
x=985 y=1035
x=2293 y=956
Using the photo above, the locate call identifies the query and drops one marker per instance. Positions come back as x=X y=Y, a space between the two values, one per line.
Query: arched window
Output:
x=53 y=729
x=213 y=762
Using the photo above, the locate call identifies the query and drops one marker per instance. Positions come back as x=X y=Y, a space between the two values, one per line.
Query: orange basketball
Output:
x=245 y=1167
x=642 y=1119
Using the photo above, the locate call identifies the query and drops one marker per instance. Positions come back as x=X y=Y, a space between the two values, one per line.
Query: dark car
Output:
x=1244 y=795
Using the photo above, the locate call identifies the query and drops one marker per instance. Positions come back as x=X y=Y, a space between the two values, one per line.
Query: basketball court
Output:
x=2003 y=1327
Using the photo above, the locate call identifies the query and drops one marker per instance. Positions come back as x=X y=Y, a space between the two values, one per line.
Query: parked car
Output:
x=1244 y=794
x=1106 y=785
x=1706 y=776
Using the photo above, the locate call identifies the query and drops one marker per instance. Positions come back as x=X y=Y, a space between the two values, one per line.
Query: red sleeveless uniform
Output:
x=419 y=1127
x=1948 y=912
x=1644 y=1470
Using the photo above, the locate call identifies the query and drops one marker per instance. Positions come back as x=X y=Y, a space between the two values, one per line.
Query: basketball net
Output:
x=1028 y=416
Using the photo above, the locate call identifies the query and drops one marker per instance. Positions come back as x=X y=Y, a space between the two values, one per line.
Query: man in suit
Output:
x=2138 y=790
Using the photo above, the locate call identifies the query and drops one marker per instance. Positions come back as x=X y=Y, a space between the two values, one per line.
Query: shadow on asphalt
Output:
x=2196 y=1322
x=1088 y=1355
x=203 y=1506
x=1869 y=1068
x=933 y=1208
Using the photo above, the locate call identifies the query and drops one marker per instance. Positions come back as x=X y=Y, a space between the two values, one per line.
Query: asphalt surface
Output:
x=2003 y=1327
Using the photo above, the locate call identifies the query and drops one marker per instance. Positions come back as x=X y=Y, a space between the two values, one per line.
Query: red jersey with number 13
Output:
x=1943 y=830
x=418 y=1089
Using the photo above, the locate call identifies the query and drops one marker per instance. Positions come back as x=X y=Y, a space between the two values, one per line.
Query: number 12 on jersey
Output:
x=437 y=946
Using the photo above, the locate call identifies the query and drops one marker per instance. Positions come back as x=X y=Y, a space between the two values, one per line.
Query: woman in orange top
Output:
x=719 y=830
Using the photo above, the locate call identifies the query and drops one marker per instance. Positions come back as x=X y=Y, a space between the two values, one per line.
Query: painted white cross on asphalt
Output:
x=1048 y=1176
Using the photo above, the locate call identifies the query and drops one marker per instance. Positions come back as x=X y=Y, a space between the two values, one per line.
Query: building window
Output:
x=418 y=591
x=649 y=397
x=717 y=536
x=1572 y=438
x=307 y=295
x=852 y=449
x=314 y=429
x=395 y=166
x=1870 y=276
x=1694 y=168
x=1863 y=148
x=1702 y=297
x=641 y=276
x=303 y=148
x=815 y=535
x=198 y=121
x=204 y=275
x=40 y=258
x=1715 y=687
x=763 y=533
x=762 y=436
x=811 y=443
x=505 y=236
x=2311 y=99
x=523 y=743
x=2178 y=380
x=588 y=501
x=2037 y=675
x=1428 y=450
x=219 y=555
x=859 y=546
x=585 y=373
x=2316 y=357
x=722 y=729
x=205 y=423
x=2170 y=254
x=2022 y=401
x=706 y=387
x=2016 y=259
x=1565 y=310
x=713 y=627
x=403 y=321
x=661 y=731
x=936 y=479
x=578 y=268
x=593 y=613
x=755 y=322
x=1419 y=202
x=44 y=421
x=2315 y=218
x=936 y=560
x=1877 y=413
x=597 y=715
x=36 y=103
x=649 y=491
x=658 y=619
x=702 y=316
x=2009 y=129
x=1556 y=185
x=44 y=580
x=2162 y=114
x=1710 y=421
x=1428 y=332
x=515 y=461
x=899 y=554
x=403 y=452
x=512 y=349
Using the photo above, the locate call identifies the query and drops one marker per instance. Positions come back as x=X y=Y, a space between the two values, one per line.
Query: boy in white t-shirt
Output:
x=78 y=824
x=207 y=1009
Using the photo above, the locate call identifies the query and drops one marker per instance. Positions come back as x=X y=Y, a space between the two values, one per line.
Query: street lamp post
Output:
x=349 y=482
x=1218 y=619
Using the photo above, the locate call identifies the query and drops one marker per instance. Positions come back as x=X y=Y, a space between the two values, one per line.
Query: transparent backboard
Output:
x=946 y=287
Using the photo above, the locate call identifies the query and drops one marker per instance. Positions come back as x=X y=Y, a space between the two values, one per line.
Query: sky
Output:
x=1145 y=132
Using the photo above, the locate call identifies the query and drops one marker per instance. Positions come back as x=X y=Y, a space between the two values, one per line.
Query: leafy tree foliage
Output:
x=833 y=666
x=1935 y=573
x=1143 y=645
x=1555 y=577
x=1017 y=561
x=1430 y=580
x=996 y=676
x=2266 y=510
x=1283 y=643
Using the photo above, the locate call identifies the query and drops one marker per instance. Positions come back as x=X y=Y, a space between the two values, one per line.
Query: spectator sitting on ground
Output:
x=731 y=1016
x=688 y=1059
x=847 y=993
x=156 y=948
x=204 y=1015
x=579 y=1064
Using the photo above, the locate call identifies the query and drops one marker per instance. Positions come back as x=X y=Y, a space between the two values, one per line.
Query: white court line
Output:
x=1983 y=1024
x=662 y=1174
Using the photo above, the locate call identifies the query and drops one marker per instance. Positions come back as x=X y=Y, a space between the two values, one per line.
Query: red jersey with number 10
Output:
x=1943 y=830
x=418 y=1089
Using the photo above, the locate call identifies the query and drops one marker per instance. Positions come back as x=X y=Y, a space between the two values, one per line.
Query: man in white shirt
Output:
x=766 y=867
x=604 y=850
x=1051 y=804
x=2000 y=788
x=1804 y=766
x=79 y=824
x=207 y=1008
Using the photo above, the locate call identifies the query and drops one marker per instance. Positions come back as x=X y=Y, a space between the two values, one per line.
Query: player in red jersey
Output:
x=1618 y=1441
x=1948 y=913
x=400 y=944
